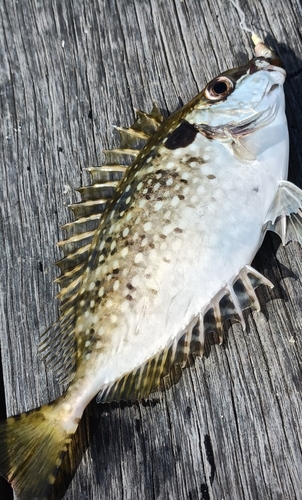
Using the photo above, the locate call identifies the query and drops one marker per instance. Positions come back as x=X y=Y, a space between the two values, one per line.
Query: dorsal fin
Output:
x=59 y=340
x=94 y=198
x=58 y=346
x=148 y=123
x=228 y=304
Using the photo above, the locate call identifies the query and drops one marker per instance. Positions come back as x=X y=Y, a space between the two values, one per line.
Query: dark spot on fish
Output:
x=184 y=181
x=108 y=240
x=162 y=236
x=60 y=150
x=97 y=283
x=115 y=271
x=151 y=245
x=129 y=286
x=92 y=331
x=129 y=297
x=197 y=159
x=113 y=251
x=177 y=230
x=40 y=267
x=181 y=197
x=256 y=189
x=182 y=136
x=105 y=252
x=160 y=171
x=147 y=197
x=211 y=176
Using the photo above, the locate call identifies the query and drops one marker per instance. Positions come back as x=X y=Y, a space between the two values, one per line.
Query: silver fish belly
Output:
x=159 y=255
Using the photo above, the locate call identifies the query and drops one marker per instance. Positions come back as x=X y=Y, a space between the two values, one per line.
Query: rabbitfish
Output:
x=159 y=254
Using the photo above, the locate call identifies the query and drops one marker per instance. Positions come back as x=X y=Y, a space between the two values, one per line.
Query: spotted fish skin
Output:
x=172 y=238
x=169 y=260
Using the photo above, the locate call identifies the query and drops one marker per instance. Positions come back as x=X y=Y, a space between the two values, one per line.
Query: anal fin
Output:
x=58 y=347
x=228 y=303
x=146 y=378
x=233 y=299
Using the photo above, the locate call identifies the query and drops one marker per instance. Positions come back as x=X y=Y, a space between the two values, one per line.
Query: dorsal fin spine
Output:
x=121 y=152
x=76 y=238
x=87 y=214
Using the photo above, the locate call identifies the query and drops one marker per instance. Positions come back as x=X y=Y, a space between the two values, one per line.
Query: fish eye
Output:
x=219 y=88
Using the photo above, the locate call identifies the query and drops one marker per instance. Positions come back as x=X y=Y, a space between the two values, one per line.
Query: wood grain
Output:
x=230 y=428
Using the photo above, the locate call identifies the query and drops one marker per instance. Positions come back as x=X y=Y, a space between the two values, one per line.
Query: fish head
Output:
x=242 y=100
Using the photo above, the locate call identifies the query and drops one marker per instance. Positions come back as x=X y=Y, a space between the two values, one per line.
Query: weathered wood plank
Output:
x=230 y=427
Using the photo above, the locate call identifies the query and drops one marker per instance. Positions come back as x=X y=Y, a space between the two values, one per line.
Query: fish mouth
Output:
x=245 y=127
x=258 y=120
x=263 y=64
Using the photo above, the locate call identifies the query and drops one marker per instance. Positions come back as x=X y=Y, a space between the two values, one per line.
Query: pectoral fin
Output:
x=285 y=214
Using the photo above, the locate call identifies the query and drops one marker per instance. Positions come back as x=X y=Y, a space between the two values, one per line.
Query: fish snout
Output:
x=266 y=54
x=277 y=74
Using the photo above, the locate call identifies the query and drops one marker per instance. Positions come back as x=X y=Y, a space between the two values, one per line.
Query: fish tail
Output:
x=32 y=446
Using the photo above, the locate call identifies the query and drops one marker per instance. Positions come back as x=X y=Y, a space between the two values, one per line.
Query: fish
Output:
x=159 y=255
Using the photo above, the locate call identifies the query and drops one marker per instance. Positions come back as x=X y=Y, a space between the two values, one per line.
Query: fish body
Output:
x=185 y=220
x=169 y=259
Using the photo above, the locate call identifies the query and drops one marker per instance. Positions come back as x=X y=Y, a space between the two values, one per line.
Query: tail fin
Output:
x=32 y=446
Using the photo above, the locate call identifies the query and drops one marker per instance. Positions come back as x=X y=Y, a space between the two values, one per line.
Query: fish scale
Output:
x=158 y=256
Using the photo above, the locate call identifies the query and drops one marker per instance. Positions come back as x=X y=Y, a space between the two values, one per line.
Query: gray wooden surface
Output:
x=230 y=428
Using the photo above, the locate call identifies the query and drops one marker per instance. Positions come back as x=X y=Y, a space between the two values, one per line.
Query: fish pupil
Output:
x=220 y=88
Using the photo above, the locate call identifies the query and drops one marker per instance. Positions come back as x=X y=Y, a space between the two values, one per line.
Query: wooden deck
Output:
x=230 y=429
